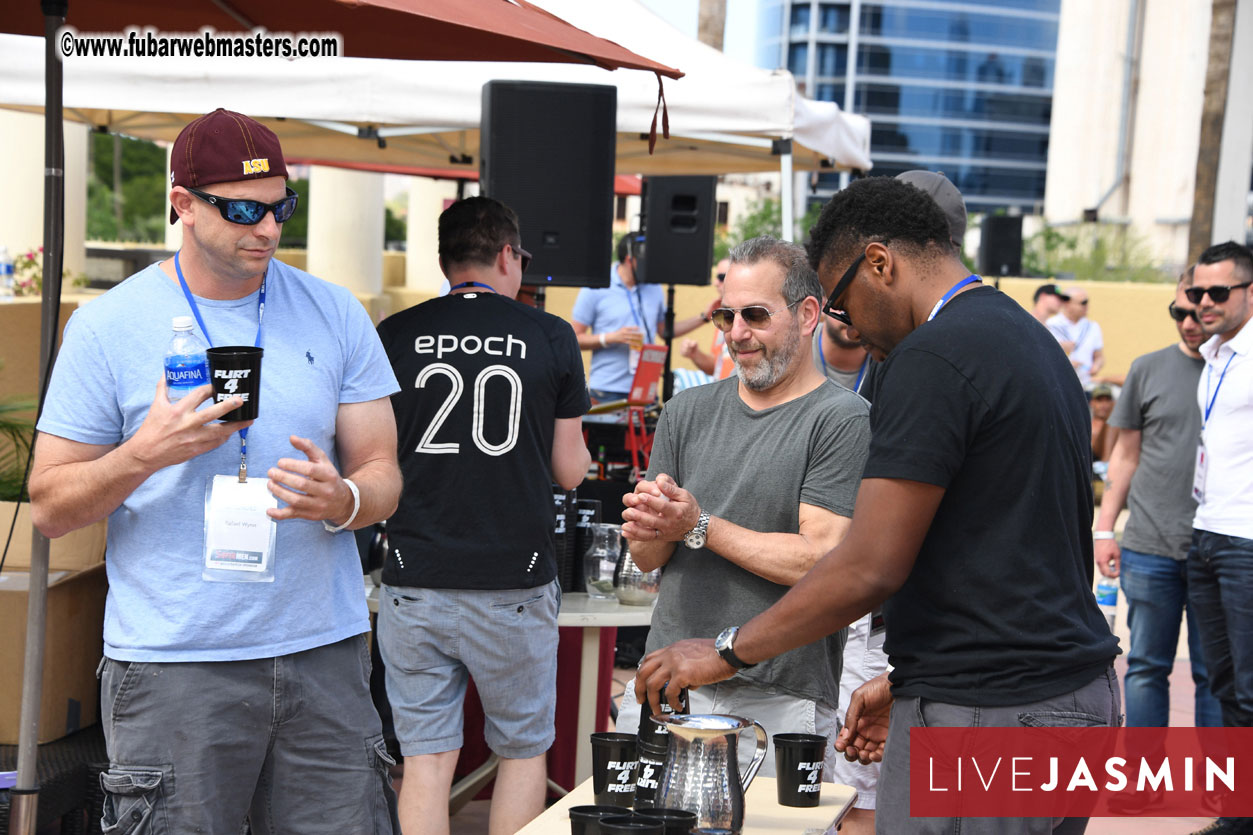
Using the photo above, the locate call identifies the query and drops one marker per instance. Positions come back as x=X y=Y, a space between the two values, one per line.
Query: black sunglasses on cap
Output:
x=1179 y=314
x=1219 y=292
x=838 y=290
x=755 y=316
x=250 y=212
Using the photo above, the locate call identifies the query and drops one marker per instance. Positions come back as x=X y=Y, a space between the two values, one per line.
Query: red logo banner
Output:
x=1080 y=772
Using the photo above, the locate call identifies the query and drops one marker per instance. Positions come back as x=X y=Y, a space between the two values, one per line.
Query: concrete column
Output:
x=427 y=199
x=1236 y=157
x=22 y=184
x=346 y=228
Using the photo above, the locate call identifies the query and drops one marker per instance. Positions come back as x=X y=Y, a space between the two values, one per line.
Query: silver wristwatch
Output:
x=695 y=538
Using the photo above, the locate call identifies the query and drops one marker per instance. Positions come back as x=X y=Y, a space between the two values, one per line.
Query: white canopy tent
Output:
x=724 y=116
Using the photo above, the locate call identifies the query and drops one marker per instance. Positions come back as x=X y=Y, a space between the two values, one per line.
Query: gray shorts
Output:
x=432 y=639
x=292 y=744
x=1096 y=704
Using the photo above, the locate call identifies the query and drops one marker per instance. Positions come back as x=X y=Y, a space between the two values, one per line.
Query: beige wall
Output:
x=1132 y=316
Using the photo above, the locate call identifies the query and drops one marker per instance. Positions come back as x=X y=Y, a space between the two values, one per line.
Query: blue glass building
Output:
x=960 y=87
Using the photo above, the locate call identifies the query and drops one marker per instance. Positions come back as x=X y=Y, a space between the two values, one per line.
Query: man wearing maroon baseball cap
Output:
x=235 y=678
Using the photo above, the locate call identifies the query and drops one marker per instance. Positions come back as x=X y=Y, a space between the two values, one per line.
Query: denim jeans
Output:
x=1157 y=590
x=1220 y=592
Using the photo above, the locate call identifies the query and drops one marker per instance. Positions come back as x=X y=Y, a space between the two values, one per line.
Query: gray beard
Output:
x=773 y=365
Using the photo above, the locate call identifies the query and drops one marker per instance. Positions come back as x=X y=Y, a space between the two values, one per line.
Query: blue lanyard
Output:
x=1214 y=399
x=861 y=372
x=489 y=288
x=638 y=315
x=952 y=291
x=195 y=310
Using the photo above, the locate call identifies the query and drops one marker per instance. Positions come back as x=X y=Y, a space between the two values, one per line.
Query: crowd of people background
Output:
x=833 y=500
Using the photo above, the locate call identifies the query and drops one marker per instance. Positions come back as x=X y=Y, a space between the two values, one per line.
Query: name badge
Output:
x=878 y=629
x=238 y=535
x=1198 y=476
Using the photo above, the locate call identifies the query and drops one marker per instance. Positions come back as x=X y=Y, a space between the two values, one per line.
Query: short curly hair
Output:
x=877 y=209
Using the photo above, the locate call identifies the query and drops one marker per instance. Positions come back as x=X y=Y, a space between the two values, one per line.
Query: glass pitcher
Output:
x=601 y=560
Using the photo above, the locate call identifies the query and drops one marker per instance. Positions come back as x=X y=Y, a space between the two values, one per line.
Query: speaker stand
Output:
x=667 y=382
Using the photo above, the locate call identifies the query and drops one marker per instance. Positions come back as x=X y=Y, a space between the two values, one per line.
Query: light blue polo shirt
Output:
x=321 y=350
x=607 y=309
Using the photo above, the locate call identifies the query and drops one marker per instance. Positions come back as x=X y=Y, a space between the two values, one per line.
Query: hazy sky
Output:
x=739 y=41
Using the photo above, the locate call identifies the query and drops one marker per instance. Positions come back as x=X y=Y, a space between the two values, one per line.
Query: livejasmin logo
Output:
x=1080 y=772
x=1022 y=771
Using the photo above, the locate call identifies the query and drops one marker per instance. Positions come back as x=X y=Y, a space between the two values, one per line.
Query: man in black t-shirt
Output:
x=492 y=393
x=973 y=521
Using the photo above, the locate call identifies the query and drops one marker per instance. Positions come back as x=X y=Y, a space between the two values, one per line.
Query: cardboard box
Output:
x=73 y=645
x=73 y=641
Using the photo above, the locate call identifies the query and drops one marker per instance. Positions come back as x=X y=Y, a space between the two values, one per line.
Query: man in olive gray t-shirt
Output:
x=1151 y=470
x=751 y=481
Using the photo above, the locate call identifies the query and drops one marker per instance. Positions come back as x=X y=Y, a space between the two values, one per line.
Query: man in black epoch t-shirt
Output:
x=973 y=520
x=488 y=414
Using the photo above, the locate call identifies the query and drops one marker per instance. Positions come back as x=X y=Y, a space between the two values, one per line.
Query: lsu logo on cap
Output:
x=256 y=166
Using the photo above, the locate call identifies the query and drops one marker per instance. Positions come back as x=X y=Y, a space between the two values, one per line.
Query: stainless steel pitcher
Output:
x=702 y=772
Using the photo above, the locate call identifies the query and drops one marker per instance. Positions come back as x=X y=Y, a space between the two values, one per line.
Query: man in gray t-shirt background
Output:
x=1151 y=472
x=727 y=511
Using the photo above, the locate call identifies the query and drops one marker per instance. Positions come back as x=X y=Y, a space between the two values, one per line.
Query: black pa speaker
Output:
x=547 y=152
x=678 y=223
x=1000 y=250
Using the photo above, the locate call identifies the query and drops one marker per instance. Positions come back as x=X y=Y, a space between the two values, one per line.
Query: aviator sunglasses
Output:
x=755 y=316
x=1219 y=293
x=250 y=212
x=1179 y=314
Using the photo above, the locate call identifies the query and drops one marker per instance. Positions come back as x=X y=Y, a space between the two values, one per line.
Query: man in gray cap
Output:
x=845 y=361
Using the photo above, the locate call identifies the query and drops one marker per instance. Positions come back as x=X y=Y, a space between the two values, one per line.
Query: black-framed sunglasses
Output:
x=755 y=316
x=838 y=290
x=250 y=212
x=1179 y=314
x=523 y=254
x=1219 y=292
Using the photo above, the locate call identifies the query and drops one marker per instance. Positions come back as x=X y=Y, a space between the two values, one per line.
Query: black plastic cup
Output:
x=236 y=370
x=585 y=820
x=677 y=821
x=798 y=768
x=648 y=775
x=613 y=769
x=632 y=825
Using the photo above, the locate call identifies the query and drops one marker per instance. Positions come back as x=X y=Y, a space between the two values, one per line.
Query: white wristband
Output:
x=356 y=506
x=1102 y=534
x=602 y=341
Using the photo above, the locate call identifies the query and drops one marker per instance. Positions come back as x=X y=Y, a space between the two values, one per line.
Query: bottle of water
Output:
x=1107 y=598
x=6 y=273
x=186 y=366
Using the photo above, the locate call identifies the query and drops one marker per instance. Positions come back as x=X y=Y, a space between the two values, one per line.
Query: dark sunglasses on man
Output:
x=1219 y=292
x=755 y=316
x=838 y=290
x=250 y=212
x=523 y=254
x=1180 y=313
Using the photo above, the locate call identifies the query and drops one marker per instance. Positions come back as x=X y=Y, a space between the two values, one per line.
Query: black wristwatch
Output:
x=723 y=644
